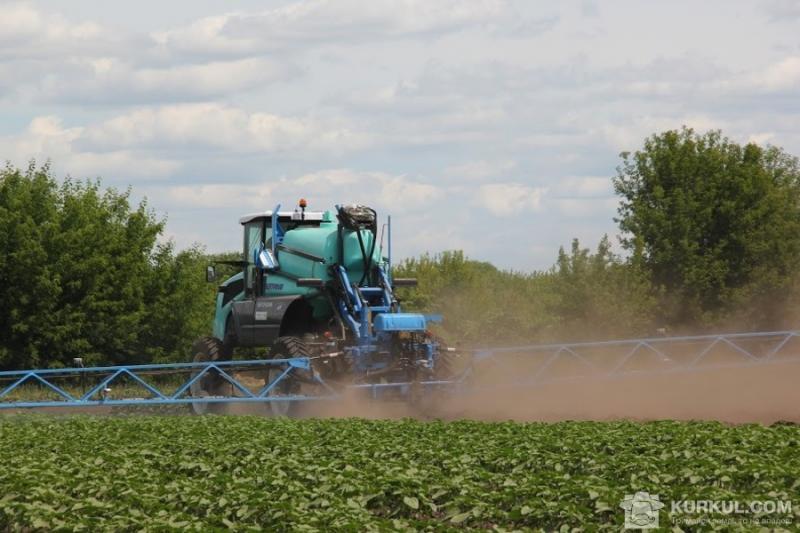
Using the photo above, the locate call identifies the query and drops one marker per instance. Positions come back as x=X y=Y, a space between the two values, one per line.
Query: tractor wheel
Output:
x=285 y=348
x=207 y=349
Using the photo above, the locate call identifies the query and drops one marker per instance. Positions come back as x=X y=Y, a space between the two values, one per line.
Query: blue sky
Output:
x=491 y=126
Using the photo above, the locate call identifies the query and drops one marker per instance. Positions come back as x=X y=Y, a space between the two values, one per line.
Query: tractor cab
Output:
x=263 y=235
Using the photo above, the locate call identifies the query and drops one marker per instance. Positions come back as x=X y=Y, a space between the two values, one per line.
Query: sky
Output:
x=490 y=126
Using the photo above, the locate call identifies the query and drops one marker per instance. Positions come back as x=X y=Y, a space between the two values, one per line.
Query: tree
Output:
x=178 y=302
x=29 y=285
x=101 y=250
x=716 y=224
x=82 y=274
x=600 y=295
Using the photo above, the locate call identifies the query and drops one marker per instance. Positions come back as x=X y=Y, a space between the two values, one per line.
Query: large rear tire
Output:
x=290 y=385
x=207 y=349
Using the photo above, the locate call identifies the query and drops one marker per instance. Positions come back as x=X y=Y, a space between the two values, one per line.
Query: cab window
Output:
x=252 y=239
x=255 y=233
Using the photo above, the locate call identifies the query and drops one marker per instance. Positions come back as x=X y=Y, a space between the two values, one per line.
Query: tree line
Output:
x=710 y=239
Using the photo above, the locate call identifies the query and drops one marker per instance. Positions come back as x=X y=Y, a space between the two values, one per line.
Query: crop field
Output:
x=214 y=473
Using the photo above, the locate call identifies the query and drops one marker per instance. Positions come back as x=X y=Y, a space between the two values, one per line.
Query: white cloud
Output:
x=331 y=21
x=323 y=189
x=53 y=59
x=21 y=21
x=585 y=207
x=327 y=180
x=401 y=192
x=110 y=79
x=27 y=32
x=219 y=126
x=761 y=138
x=783 y=75
x=555 y=139
x=629 y=135
x=583 y=186
x=220 y=195
x=371 y=188
x=47 y=138
x=477 y=170
x=509 y=199
x=18 y=22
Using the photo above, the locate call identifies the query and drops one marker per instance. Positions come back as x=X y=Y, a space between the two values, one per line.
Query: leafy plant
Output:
x=244 y=473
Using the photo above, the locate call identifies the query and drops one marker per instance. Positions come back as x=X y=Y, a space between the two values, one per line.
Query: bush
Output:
x=82 y=275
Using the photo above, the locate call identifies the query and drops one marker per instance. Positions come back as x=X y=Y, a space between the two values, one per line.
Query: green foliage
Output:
x=584 y=296
x=82 y=275
x=245 y=473
x=179 y=303
x=716 y=224
x=600 y=295
x=480 y=303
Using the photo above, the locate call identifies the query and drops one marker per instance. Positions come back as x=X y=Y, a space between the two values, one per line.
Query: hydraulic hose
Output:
x=366 y=256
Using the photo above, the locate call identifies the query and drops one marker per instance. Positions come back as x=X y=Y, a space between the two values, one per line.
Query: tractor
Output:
x=318 y=286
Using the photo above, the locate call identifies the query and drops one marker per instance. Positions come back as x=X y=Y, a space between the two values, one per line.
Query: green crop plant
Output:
x=248 y=473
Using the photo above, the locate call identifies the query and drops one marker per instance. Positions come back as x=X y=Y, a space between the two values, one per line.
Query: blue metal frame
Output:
x=277 y=230
x=773 y=349
x=389 y=252
x=359 y=308
x=107 y=375
x=695 y=352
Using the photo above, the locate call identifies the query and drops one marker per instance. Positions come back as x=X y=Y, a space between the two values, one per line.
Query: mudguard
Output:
x=260 y=321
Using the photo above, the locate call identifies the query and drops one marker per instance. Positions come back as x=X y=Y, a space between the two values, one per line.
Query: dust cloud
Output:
x=651 y=389
x=735 y=395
